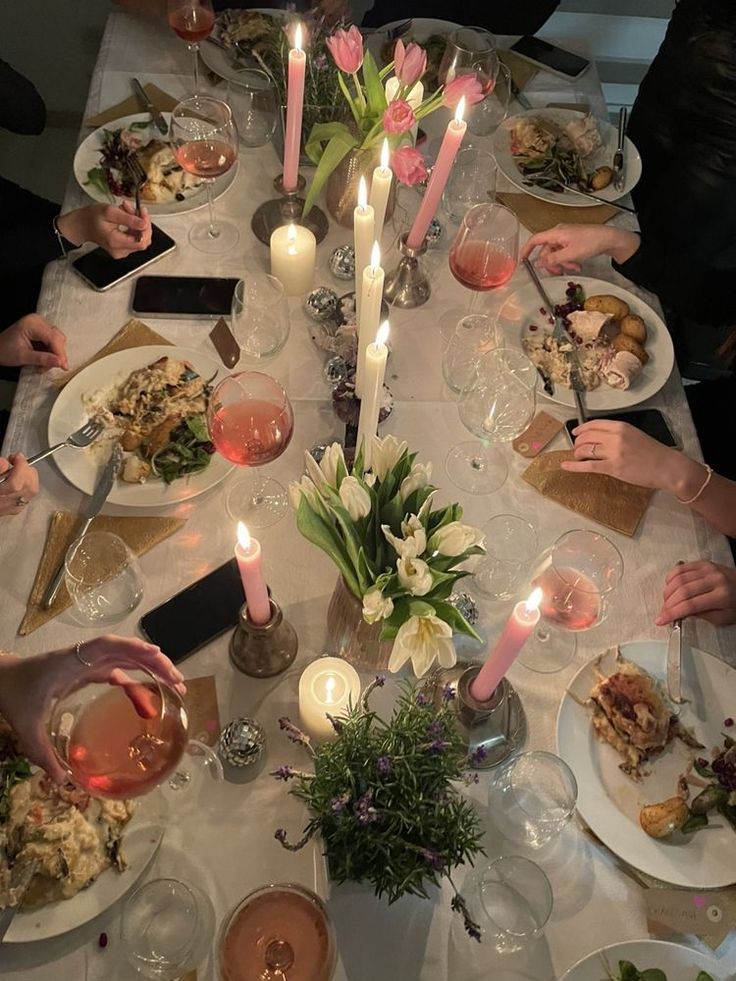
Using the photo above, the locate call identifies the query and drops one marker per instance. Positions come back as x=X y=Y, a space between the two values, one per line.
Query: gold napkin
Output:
x=132 y=334
x=521 y=69
x=200 y=702
x=161 y=100
x=538 y=215
x=599 y=497
x=140 y=534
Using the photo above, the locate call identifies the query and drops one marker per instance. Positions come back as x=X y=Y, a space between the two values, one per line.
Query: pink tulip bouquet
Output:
x=376 y=116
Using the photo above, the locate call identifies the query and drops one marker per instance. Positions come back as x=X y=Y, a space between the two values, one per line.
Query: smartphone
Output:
x=550 y=57
x=100 y=271
x=183 y=296
x=649 y=421
x=196 y=615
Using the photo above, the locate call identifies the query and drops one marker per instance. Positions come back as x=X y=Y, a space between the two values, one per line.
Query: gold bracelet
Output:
x=694 y=498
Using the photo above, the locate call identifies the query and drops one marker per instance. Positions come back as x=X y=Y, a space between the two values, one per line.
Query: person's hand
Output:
x=563 y=248
x=118 y=230
x=699 y=589
x=33 y=341
x=21 y=485
x=28 y=686
x=620 y=450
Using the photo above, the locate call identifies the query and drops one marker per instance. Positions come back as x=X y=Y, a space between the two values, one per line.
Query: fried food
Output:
x=600 y=178
x=633 y=326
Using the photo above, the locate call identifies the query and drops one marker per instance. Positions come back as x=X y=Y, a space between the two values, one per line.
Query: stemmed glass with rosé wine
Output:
x=577 y=575
x=251 y=423
x=193 y=21
x=485 y=252
x=204 y=139
x=470 y=51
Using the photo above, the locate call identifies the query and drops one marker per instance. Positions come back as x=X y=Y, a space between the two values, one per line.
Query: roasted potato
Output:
x=660 y=820
x=622 y=342
x=601 y=178
x=633 y=326
x=615 y=308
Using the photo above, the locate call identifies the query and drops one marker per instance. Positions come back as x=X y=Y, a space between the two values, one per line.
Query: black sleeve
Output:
x=499 y=16
x=27 y=237
x=22 y=109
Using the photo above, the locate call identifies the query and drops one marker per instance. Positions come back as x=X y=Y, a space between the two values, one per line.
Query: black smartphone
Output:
x=100 y=271
x=649 y=421
x=550 y=57
x=183 y=296
x=196 y=615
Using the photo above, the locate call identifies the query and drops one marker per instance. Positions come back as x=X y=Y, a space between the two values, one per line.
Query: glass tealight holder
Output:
x=102 y=577
x=532 y=798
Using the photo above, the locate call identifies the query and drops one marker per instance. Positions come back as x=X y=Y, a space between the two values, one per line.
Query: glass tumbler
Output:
x=252 y=99
x=472 y=181
x=511 y=900
x=260 y=317
x=103 y=578
x=511 y=544
x=473 y=337
x=532 y=798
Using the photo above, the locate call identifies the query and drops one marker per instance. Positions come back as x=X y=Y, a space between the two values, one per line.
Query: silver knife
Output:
x=19 y=884
x=140 y=94
x=674 y=661
x=561 y=335
x=101 y=491
x=619 y=174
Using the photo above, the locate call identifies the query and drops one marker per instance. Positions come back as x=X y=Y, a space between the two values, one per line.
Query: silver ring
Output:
x=593 y=453
x=78 y=654
x=21 y=502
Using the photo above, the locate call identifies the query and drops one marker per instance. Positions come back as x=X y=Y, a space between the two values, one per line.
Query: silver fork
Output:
x=139 y=179
x=85 y=435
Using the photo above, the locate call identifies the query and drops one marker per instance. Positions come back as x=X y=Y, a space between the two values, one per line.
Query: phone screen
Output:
x=649 y=421
x=184 y=295
x=102 y=271
x=557 y=59
x=197 y=614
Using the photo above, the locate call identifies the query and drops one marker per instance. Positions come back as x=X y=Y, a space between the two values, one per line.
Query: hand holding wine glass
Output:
x=193 y=21
x=485 y=252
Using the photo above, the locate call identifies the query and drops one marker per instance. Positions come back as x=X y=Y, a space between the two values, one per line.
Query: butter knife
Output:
x=561 y=335
x=20 y=882
x=619 y=174
x=156 y=116
x=674 y=661
x=101 y=491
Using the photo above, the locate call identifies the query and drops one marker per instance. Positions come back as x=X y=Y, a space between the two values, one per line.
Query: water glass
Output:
x=260 y=317
x=167 y=929
x=511 y=544
x=511 y=900
x=473 y=337
x=103 y=578
x=472 y=181
x=485 y=117
x=252 y=98
x=532 y=798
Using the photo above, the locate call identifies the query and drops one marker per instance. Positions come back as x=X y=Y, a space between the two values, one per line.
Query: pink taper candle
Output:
x=294 y=106
x=248 y=554
x=517 y=631
x=440 y=172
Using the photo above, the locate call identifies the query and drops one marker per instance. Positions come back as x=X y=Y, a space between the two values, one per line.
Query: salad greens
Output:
x=628 y=972
x=720 y=794
x=188 y=451
x=13 y=770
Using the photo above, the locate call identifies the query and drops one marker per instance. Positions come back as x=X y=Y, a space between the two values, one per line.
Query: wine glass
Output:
x=497 y=409
x=252 y=97
x=472 y=181
x=470 y=51
x=485 y=252
x=205 y=143
x=260 y=317
x=251 y=423
x=473 y=337
x=577 y=575
x=485 y=117
x=193 y=21
x=511 y=544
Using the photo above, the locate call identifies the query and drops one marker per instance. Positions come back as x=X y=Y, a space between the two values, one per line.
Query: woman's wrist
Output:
x=683 y=477
x=71 y=227
x=623 y=244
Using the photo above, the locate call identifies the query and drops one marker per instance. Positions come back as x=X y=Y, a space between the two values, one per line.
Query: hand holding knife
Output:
x=674 y=661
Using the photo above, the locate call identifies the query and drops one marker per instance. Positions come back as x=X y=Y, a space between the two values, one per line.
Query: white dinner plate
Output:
x=81 y=467
x=609 y=801
x=522 y=309
x=679 y=963
x=141 y=840
x=88 y=156
x=218 y=60
x=609 y=135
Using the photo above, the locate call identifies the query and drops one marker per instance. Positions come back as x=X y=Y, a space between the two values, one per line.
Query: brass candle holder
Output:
x=262 y=650
x=407 y=285
x=285 y=210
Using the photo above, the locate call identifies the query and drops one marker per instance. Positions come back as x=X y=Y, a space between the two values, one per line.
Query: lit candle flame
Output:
x=298 y=37
x=329 y=689
x=535 y=598
x=384 y=155
x=243 y=536
x=362 y=194
x=291 y=239
x=375 y=256
x=460 y=111
x=382 y=336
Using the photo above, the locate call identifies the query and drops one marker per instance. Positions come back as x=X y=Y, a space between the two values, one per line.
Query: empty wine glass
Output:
x=474 y=336
x=577 y=575
x=472 y=181
x=511 y=544
x=260 y=317
x=252 y=98
x=470 y=51
x=102 y=577
x=485 y=117
x=251 y=423
x=485 y=252
x=496 y=410
x=193 y=21
x=511 y=900
x=205 y=142
x=532 y=798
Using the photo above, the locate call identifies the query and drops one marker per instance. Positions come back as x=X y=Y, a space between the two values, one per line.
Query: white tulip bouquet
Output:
x=396 y=555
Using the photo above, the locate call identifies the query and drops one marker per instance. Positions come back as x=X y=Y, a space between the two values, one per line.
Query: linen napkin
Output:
x=140 y=534
x=597 y=496
x=134 y=333
x=162 y=100
x=538 y=215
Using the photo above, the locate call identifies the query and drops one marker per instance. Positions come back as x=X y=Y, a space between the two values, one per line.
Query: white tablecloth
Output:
x=229 y=848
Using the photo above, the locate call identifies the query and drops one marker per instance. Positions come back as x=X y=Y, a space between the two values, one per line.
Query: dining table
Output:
x=225 y=844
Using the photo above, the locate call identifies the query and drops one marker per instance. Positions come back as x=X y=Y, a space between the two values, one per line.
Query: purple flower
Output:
x=434 y=859
x=337 y=804
x=458 y=905
x=293 y=733
x=337 y=724
x=384 y=766
x=435 y=728
x=320 y=62
x=284 y=773
x=379 y=681
x=422 y=699
x=438 y=746
x=364 y=809
x=478 y=756
x=448 y=693
x=280 y=835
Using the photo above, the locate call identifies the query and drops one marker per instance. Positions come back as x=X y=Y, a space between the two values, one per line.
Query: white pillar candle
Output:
x=363 y=237
x=371 y=290
x=327 y=685
x=293 y=255
x=380 y=190
x=370 y=406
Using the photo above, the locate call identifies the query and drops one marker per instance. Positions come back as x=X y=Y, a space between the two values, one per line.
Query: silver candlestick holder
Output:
x=285 y=210
x=262 y=650
x=407 y=285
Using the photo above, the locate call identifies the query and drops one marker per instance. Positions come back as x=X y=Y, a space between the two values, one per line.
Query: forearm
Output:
x=683 y=477
x=622 y=245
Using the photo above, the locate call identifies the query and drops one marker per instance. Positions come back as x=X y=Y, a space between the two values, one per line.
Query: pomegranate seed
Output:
x=543 y=311
x=533 y=327
x=103 y=940
x=728 y=722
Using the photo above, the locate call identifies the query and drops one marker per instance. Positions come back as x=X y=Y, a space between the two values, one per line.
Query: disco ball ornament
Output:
x=434 y=232
x=321 y=304
x=242 y=742
x=342 y=262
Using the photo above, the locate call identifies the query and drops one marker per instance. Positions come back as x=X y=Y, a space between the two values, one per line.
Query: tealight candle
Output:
x=370 y=405
x=248 y=554
x=380 y=190
x=327 y=686
x=518 y=629
x=293 y=256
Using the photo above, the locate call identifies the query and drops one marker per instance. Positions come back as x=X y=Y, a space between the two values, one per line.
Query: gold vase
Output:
x=341 y=191
x=349 y=636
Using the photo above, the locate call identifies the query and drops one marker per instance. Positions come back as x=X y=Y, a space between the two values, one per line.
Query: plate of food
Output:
x=102 y=168
x=646 y=960
x=657 y=782
x=541 y=151
x=243 y=39
x=89 y=852
x=624 y=348
x=153 y=401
